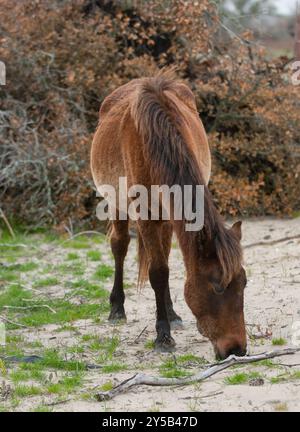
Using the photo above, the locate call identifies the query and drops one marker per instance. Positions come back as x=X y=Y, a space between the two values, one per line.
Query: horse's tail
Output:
x=143 y=262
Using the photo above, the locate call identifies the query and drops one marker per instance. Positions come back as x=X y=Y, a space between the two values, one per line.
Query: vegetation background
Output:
x=64 y=57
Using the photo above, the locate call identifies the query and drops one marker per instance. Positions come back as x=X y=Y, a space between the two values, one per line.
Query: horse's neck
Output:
x=189 y=243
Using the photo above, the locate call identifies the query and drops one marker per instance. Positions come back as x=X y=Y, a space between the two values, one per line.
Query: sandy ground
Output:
x=272 y=307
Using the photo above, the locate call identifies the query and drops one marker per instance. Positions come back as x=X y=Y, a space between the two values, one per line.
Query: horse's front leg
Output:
x=159 y=280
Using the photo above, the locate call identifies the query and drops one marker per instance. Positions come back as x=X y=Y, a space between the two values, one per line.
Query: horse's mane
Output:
x=158 y=121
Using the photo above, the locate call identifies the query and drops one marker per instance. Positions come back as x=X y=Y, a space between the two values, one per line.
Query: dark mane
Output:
x=158 y=121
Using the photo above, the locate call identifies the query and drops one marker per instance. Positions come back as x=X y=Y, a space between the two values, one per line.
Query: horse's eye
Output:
x=218 y=288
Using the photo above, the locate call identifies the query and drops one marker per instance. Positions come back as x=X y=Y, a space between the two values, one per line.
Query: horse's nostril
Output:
x=238 y=351
x=222 y=352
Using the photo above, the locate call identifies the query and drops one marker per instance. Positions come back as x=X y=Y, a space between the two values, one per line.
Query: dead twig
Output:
x=11 y=322
x=2 y=214
x=57 y=402
x=142 y=379
x=141 y=333
x=273 y=242
x=30 y=307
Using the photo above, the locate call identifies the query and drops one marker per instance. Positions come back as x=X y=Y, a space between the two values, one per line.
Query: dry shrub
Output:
x=64 y=57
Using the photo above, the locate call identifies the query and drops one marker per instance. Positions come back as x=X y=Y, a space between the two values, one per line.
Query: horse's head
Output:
x=215 y=293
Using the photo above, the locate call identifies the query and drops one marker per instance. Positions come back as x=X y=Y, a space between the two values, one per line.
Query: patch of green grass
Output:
x=3 y=370
x=78 y=243
x=7 y=275
x=65 y=312
x=14 y=295
x=98 y=239
x=241 y=378
x=267 y=363
x=103 y=272
x=89 y=290
x=108 y=347
x=88 y=337
x=77 y=349
x=22 y=390
x=285 y=377
x=172 y=369
x=35 y=344
x=190 y=358
x=114 y=367
x=11 y=350
x=66 y=384
x=33 y=368
x=150 y=344
x=3 y=408
x=53 y=359
x=26 y=267
x=94 y=255
x=72 y=256
x=75 y=269
x=18 y=375
x=42 y=408
x=279 y=341
x=10 y=259
x=49 y=281
x=14 y=339
x=107 y=386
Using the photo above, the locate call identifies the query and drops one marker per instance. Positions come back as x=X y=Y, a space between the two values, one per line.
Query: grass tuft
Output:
x=279 y=341
x=241 y=378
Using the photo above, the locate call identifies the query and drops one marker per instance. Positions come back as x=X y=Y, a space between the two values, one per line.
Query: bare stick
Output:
x=30 y=307
x=57 y=402
x=273 y=242
x=11 y=322
x=137 y=338
x=7 y=223
x=142 y=379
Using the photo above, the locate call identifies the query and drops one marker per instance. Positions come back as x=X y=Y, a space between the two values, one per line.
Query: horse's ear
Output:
x=237 y=229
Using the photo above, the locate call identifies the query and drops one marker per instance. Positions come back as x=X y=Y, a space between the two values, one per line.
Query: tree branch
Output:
x=142 y=379
x=273 y=242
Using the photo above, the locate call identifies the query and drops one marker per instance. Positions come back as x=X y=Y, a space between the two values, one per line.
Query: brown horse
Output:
x=150 y=132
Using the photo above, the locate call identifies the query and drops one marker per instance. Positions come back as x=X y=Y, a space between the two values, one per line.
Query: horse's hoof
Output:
x=165 y=344
x=117 y=317
x=176 y=324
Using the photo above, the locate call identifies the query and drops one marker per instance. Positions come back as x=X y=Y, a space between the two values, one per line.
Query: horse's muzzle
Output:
x=224 y=349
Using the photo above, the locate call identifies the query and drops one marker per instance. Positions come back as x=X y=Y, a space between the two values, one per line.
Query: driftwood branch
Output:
x=143 y=379
x=273 y=242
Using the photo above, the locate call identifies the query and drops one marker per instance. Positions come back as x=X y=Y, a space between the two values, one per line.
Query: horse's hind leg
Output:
x=166 y=235
x=159 y=277
x=119 y=241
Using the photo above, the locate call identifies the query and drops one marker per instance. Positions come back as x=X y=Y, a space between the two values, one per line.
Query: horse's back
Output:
x=117 y=148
